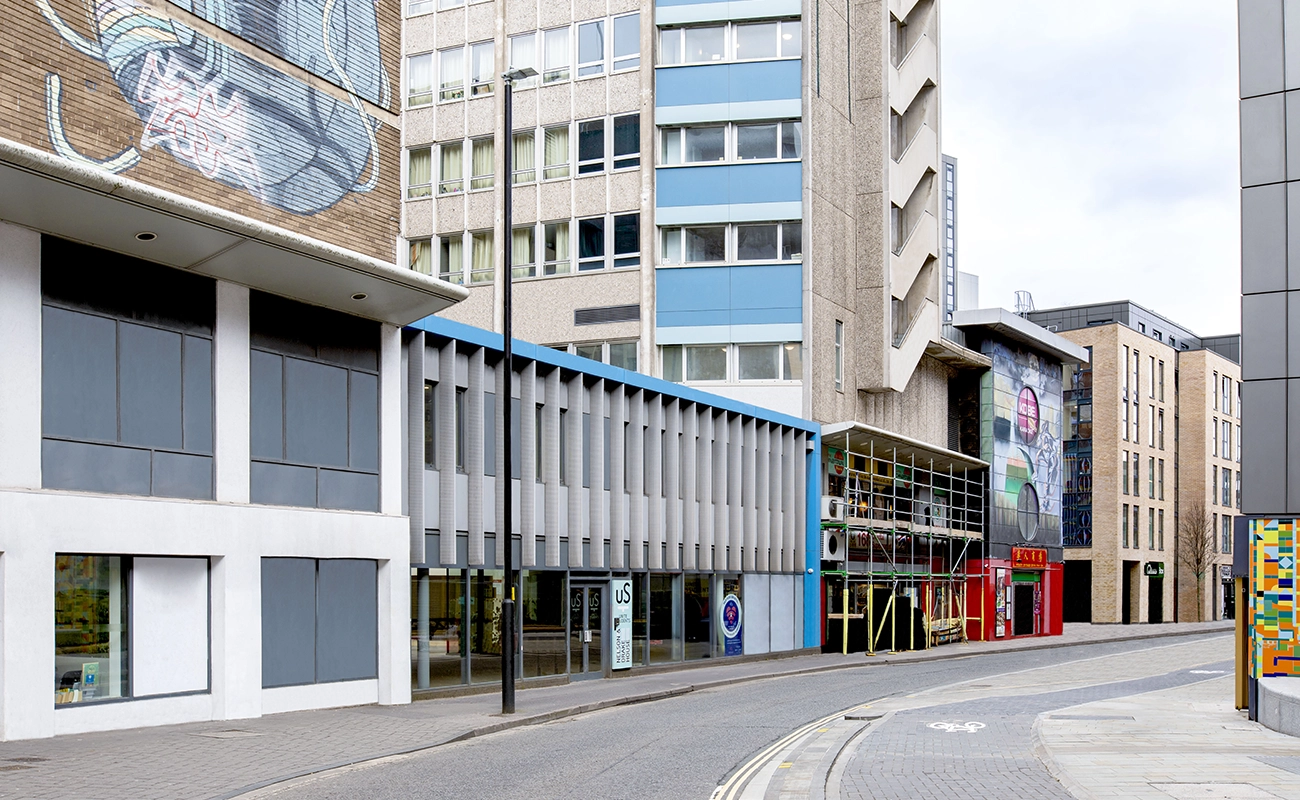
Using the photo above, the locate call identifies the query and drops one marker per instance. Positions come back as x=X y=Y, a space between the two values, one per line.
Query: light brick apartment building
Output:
x=1153 y=442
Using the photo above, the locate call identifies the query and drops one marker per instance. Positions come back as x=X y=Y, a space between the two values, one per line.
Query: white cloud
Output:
x=1097 y=150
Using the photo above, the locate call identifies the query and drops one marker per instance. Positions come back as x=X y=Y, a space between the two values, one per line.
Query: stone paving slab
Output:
x=227 y=758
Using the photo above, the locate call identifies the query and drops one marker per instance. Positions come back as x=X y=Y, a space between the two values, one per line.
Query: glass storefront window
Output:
x=544 y=624
x=486 y=591
x=728 y=585
x=697 y=624
x=90 y=628
x=665 y=618
x=437 y=627
x=640 y=628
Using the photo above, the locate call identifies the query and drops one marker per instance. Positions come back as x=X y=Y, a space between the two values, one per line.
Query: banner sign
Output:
x=835 y=462
x=1155 y=569
x=621 y=590
x=729 y=620
x=1028 y=558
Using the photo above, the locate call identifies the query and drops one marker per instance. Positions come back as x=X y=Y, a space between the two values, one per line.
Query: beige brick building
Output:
x=1152 y=443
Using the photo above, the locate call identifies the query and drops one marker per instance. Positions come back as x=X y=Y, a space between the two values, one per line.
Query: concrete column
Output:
x=636 y=479
x=654 y=482
x=598 y=531
x=617 y=500
x=672 y=490
x=415 y=448
x=445 y=397
x=237 y=636
x=527 y=505
x=232 y=386
x=690 y=420
x=749 y=494
x=761 y=506
x=573 y=472
x=27 y=608
x=394 y=632
x=474 y=455
x=390 y=420
x=20 y=357
x=551 y=467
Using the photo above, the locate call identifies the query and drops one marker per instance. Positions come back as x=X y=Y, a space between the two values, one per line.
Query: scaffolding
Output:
x=913 y=520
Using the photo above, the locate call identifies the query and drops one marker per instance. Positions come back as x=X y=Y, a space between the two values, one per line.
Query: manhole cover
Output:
x=231 y=734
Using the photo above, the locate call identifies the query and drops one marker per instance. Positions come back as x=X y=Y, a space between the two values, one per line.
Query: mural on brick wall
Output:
x=228 y=116
x=1021 y=439
x=1275 y=648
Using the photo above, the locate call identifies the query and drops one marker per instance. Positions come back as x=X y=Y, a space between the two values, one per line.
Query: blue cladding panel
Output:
x=728 y=184
x=698 y=296
x=727 y=83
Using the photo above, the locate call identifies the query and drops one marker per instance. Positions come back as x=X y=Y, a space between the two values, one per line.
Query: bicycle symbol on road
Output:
x=956 y=727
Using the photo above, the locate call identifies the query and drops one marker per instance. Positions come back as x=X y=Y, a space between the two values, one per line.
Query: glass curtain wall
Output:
x=91 y=636
x=697 y=624
x=438 y=627
x=486 y=591
x=665 y=618
x=544 y=623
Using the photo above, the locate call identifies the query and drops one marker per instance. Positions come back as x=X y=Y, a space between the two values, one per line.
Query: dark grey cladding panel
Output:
x=283 y=485
x=288 y=621
x=78 y=375
x=363 y=422
x=198 y=394
x=350 y=491
x=181 y=475
x=316 y=413
x=267 y=400
x=94 y=467
x=347 y=620
x=149 y=377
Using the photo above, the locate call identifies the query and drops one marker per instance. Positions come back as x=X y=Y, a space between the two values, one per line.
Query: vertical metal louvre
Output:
x=551 y=466
x=761 y=511
x=505 y=380
x=654 y=481
x=791 y=469
x=777 y=539
x=617 y=500
x=636 y=479
x=528 y=465
x=415 y=444
x=445 y=397
x=474 y=455
x=672 y=490
x=747 y=495
x=598 y=531
x=573 y=470
x=735 y=522
x=690 y=418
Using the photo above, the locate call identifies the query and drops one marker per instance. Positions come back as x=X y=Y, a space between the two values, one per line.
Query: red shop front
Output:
x=1014 y=598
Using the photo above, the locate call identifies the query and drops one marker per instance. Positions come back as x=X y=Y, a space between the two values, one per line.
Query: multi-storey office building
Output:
x=1143 y=452
x=200 y=450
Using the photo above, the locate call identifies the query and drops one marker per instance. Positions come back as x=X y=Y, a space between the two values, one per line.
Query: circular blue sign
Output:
x=729 y=618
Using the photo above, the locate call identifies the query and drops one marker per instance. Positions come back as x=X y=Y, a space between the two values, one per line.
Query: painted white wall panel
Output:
x=169 y=619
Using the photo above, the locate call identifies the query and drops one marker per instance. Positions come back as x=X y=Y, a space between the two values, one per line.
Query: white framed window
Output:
x=1238 y=459
x=445 y=4
x=421 y=256
x=1227 y=395
x=775 y=140
x=769 y=141
x=523 y=53
x=415 y=8
x=451 y=258
x=482 y=163
x=702 y=144
x=743 y=363
x=591 y=48
x=482 y=257
x=555 y=152
x=482 y=69
x=627 y=240
x=451 y=74
x=591 y=243
x=706 y=244
x=739 y=243
x=627 y=141
x=555 y=54
x=555 y=244
x=523 y=252
x=1227 y=439
x=627 y=41
x=769 y=241
x=705 y=362
x=621 y=354
x=419 y=80
x=419 y=172
x=451 y=168
x=591 y=146
x=742 y=41
x=524 y=157
x=701 y=44
x=839 y=354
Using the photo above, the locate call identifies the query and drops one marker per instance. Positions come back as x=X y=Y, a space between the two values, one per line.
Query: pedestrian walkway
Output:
x=229 y=758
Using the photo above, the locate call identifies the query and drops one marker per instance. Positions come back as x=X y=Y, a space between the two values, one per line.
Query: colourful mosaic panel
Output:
x=1275 y=646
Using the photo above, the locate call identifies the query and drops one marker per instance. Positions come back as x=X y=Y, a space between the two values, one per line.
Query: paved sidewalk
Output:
x=228 y=758
x=1179 y=743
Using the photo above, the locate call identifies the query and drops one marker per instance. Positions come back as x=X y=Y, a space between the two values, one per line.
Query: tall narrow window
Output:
x=1151 y=384
x=460 y=429
x=419 y=172
x=556 y=248
x=1151 y=477
x=1214 y=437
x=451 y=259
x=839 y=355
x=1160 y=480
x=1151 y=529
x=482 y=67
x=1237 y=503
x=524 y=157
x=1214 y=396
x=1123 y=475
x=1214 y=482
x=92 y=628
x=1226 y=534
x=627 y=141
x=591 y=243
x=591 y=48
x=627 y=41
x=451 y=170
x=1160 y=528
x=421 y=256
x=1151 y=426
x=1125 y=371
x=523 y=53
x=451 y=74
x=1124 y=519
x=1227 y=487
x=482 y=163
x=430 y=426
x=1137 y=541
x=627 y=240
x=419 y=80
x=1227 y=439
x=1161 y=378
x=1137 y=474
x=555 y=154
x=555 y=51
x=1160 y=424
x=482 y=258
x=523 y=256
x=1123 y=410
x=591 y=146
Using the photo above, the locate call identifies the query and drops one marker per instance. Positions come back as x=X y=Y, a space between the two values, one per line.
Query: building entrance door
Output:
x=1155 y=600
x=1023 y=612
x=586 y=631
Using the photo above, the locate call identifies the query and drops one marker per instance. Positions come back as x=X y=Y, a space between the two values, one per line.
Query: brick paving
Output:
x=228 y=758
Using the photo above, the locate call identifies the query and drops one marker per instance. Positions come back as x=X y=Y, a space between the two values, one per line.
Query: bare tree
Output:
x=1197 y=547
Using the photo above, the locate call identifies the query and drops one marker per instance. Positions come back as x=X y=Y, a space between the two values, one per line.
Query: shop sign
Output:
x=1155 y=569
x=835 y=464
x=729 y=620
x=621 y=590
x=1028 y=558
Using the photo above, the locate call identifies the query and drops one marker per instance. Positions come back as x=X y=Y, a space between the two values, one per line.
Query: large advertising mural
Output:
x=216 y=99
x=1020 y=435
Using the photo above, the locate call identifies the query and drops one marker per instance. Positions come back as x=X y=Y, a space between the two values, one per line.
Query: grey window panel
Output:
x=288 y=621
x=294 y=328
x=1260 y=28
x=1291 y=42
x=516 y=446
x=283 y=485
x=267 y=399
x=315 y=413
x=1263 y=329
x=1293 y=324
x=1263 y=140
x=182 y=475
x=1264 y=441
x=78 y=375
x=363 y=422
x=128 y=288
x=94 y=467
x=1293 y=133
x=347 y=620
x=1292 y=236
x=607 y=452
x=1273 y=460
x=197 y=403
x=1264 y=238
x=149 y=381
x=351 y=491
x=357 y=357
x=489 y=434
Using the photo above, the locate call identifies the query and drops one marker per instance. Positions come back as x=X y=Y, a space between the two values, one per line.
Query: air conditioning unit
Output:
x=835 y=546
x=832 y=509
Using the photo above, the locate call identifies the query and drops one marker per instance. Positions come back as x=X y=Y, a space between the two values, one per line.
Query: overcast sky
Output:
x=1097 y=152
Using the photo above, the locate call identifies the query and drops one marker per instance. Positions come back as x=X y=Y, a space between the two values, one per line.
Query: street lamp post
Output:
x=505 y=482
